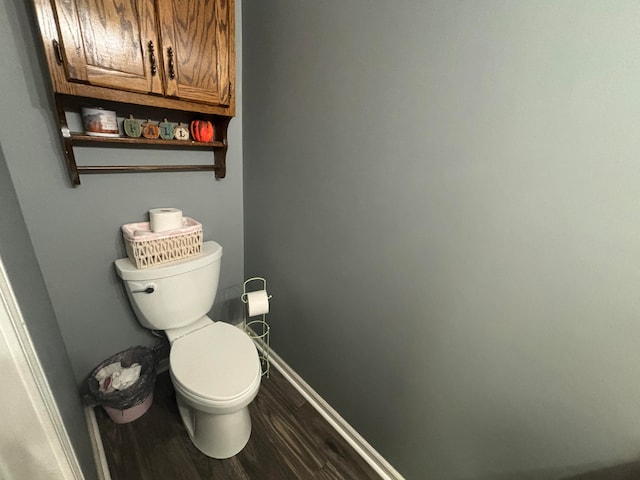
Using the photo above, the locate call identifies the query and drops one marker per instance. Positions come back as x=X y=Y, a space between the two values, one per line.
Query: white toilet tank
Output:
x=176 y=294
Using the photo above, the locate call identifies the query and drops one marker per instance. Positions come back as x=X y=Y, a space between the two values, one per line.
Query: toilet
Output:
x=214 y=366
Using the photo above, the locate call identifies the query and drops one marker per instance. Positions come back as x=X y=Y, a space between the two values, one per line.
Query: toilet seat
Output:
x=216 y=365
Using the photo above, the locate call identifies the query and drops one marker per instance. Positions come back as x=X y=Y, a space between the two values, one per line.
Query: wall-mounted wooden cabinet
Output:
x=163 y=54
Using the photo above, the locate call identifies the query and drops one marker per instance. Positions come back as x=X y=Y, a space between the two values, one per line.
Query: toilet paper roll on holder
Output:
x=258 y=329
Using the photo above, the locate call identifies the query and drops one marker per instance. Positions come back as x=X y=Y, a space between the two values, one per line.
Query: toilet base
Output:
x=218 y=436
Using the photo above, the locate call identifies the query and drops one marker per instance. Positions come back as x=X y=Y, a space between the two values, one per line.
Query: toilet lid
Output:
x=219 y=362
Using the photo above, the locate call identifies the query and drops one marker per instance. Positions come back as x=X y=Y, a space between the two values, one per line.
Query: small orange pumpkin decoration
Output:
x=202 y=130
x=150 y=130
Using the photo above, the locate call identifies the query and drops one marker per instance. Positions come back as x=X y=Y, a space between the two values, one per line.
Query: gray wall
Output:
x=444 y=197
x=76 y=231
x=28 y=286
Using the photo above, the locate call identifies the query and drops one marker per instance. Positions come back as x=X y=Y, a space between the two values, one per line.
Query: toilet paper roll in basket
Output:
x=258 y=303
x=165 y=219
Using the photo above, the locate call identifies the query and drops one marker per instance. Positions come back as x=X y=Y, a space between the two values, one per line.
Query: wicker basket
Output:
x=147 y=249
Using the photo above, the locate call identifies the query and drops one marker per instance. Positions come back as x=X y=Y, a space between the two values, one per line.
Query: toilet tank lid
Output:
x=211 y=251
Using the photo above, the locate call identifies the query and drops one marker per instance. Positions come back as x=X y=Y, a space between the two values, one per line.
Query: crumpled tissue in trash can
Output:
x=116 y=377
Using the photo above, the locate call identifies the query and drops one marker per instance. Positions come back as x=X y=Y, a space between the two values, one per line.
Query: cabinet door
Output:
x=107 y=43
x=197 y=48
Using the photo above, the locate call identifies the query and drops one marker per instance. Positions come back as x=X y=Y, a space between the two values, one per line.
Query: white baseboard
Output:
x=96 y=444
x=346 y=431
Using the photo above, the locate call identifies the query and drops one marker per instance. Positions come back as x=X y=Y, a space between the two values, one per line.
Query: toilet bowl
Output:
x=216 y=374
x=214 y=366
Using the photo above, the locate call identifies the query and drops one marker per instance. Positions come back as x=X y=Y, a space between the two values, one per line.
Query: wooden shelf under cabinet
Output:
x=72 y=139
x=81 y=139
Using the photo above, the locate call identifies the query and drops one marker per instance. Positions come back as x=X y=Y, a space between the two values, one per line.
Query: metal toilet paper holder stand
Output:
x=257 y=329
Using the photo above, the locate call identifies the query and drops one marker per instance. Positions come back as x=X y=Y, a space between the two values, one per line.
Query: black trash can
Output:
x=132 y=402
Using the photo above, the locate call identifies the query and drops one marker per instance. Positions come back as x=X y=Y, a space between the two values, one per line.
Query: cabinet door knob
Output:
x=152 y=57
x=172 y=71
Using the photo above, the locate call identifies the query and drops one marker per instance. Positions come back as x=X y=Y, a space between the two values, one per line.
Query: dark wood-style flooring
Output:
x=289 y=441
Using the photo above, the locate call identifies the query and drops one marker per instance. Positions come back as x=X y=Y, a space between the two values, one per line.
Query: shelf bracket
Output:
x=67 y=143
x=220 y=154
